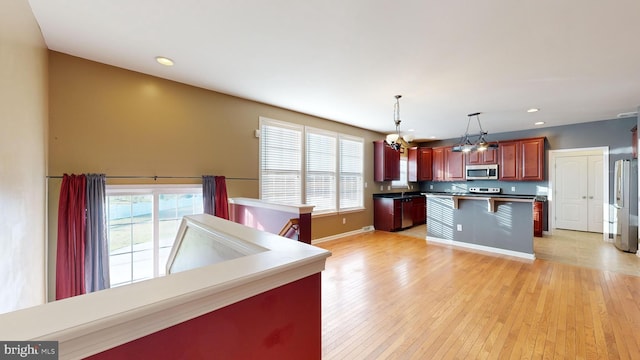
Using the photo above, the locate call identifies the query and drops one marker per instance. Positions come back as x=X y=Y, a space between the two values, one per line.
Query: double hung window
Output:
x=324 y=170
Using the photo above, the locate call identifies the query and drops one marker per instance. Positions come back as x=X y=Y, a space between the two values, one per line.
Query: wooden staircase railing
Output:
x=291 y=229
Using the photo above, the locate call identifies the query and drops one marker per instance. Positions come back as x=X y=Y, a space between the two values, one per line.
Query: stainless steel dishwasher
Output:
x=407 y=212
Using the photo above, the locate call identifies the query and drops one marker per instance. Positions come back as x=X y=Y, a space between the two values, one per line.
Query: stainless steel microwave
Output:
x=482 y=172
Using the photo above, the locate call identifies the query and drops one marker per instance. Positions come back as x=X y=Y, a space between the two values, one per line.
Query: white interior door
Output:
x=571 y=193
x=595 y=195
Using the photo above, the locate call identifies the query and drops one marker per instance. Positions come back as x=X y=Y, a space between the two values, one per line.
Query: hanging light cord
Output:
x=477 y=115
x=396 y=114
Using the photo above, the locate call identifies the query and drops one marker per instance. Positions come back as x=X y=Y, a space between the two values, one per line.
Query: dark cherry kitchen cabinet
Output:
x=419 y=210
x=454 y=165
x=437 y=160
x=508 y=160
x=393 y=213
x=447 y=164
x=489 y=156
x=537 y=218
x=386 y=162
x=387 y=214
x=521 y=160
x=419 y=164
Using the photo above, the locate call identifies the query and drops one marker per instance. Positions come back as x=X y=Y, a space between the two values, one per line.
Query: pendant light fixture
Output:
x=480 y=144
x=395 y=140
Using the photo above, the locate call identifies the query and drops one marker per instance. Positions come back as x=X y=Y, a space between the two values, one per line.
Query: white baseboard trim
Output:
x=490 y=249
x=341 y=235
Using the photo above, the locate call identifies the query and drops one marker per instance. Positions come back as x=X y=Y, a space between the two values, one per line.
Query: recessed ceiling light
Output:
x=539 y=123
x=432 y=137
x=164 y=61
x=532 y=110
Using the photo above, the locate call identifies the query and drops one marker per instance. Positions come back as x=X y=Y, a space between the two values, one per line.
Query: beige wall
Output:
x=109 y=120
x=23 y=120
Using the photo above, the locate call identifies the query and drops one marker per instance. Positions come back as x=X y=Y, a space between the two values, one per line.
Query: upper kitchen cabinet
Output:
x=386 y=162
x=454 y=165
x=437 y=158
x=447 y=164
x=419 y=164
x=522 y=160
x=489 y=156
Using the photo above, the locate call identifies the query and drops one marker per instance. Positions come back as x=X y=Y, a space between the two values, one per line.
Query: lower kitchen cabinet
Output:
x=538 y=211
x=392 y=214
x=419 y=210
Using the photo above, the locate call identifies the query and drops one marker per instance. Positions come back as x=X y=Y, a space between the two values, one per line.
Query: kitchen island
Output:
x=495 y=223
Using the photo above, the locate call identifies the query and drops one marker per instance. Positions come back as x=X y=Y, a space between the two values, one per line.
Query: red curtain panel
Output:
x=71 y=237
x=220 y=198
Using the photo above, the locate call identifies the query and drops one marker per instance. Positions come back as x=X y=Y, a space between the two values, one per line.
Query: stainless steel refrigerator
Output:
x=626 y=205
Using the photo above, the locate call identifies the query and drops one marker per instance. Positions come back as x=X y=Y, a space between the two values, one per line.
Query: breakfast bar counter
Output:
x=495 y=223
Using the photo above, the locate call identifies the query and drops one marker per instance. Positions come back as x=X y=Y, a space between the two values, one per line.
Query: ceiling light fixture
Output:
x=394 y=140
x=539 y=123
x=532 y=110
x=164 y=61
x=480 y=144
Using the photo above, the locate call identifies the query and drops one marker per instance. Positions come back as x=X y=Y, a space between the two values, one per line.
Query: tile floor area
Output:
x=574 y=248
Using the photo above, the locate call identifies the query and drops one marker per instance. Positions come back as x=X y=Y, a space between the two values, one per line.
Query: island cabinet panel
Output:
x=437 y=157
x=454 y=165
x=537 y=218
x=419 y=210
x=521 y=160
x=489 y=156
x=386 y=162
x=419 y=164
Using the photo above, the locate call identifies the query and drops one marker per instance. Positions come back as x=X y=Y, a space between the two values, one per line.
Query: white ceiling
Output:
x=576 y=60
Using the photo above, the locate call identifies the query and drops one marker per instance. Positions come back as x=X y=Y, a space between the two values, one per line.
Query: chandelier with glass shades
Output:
x=478 y=142
x=395 y=140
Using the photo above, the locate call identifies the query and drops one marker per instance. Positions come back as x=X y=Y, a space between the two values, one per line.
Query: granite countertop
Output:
x=399 y=195
x=467 y=194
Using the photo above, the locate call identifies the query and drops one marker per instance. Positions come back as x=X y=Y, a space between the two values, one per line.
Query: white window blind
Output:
x=402 y=182
x=280 y=162
x=331 y=176
x=320 y=186
x=351 y=172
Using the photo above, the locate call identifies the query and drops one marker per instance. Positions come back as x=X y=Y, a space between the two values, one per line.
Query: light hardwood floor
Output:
x=388 y=295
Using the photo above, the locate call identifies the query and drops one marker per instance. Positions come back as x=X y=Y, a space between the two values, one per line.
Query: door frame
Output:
x=606 y=207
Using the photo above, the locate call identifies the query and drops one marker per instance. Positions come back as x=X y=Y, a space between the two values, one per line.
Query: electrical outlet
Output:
x=381 y=187
x=344 y=220
x=513 y=188
x=388 y=187
x=365 y=184
x=459 y=227
x=430 y=187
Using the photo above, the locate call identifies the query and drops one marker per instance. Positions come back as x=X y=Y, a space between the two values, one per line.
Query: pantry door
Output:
x=579 y=192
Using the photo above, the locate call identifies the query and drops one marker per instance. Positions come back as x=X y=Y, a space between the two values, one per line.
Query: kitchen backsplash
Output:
x=510 y=187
